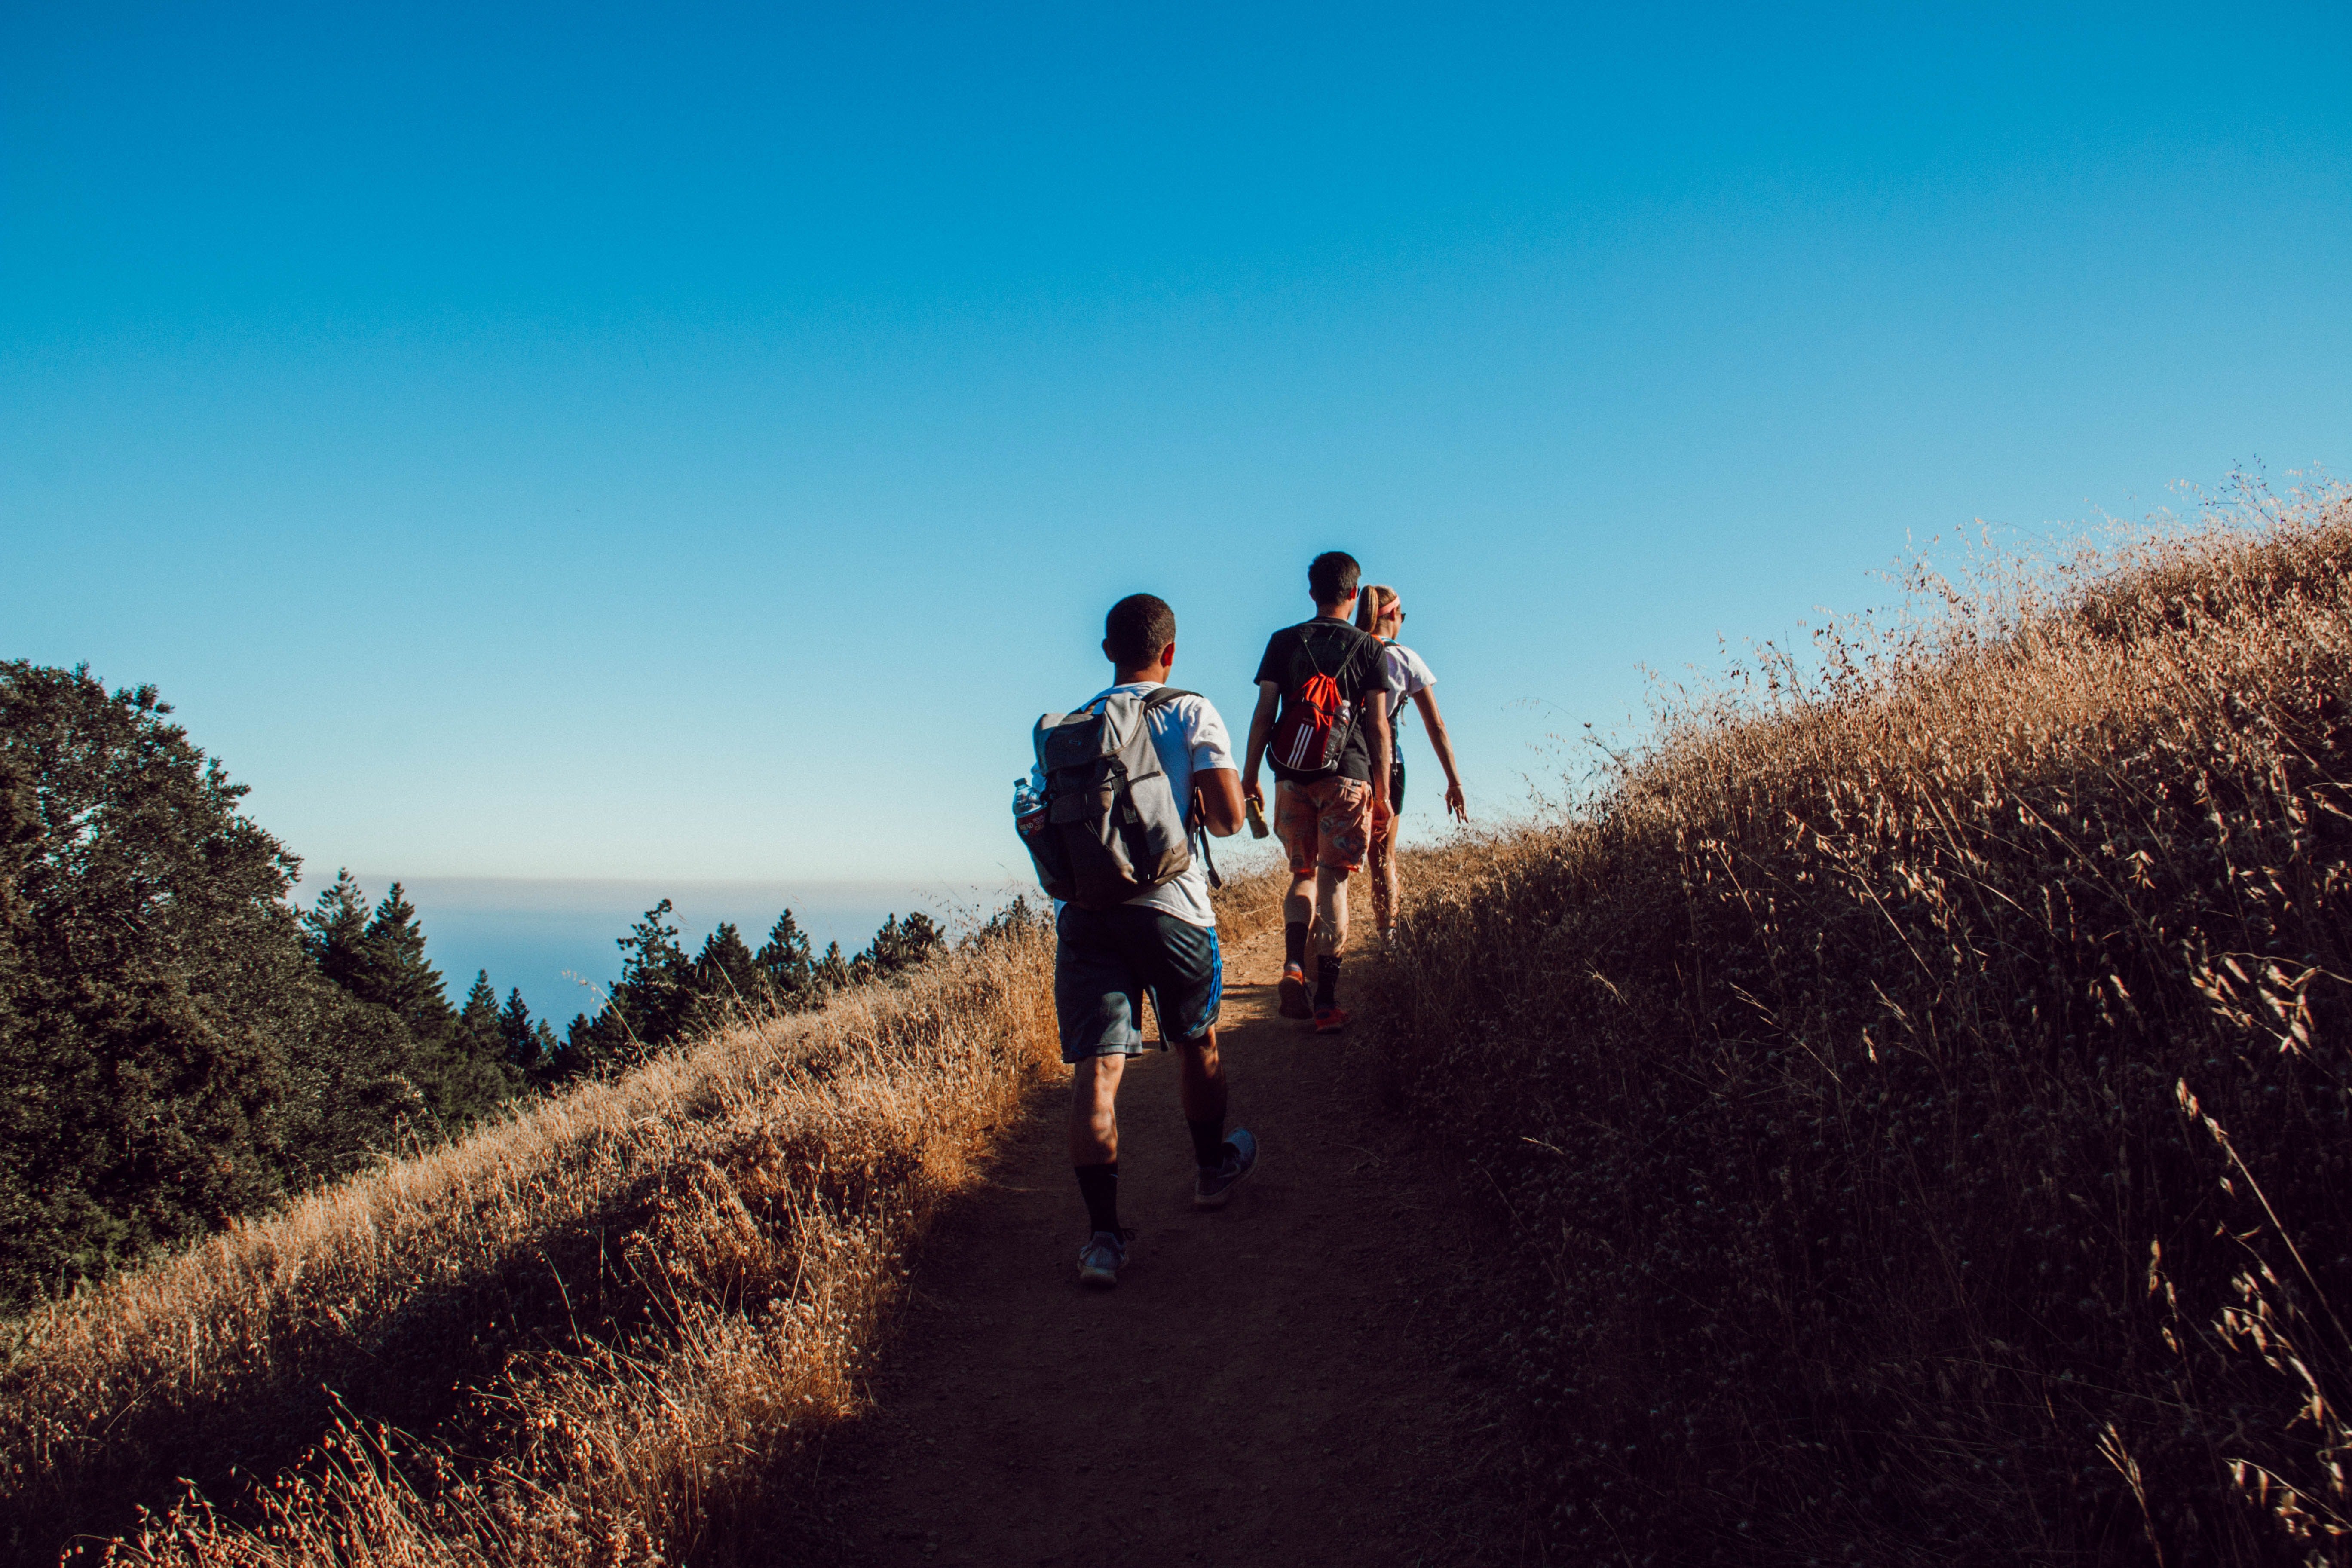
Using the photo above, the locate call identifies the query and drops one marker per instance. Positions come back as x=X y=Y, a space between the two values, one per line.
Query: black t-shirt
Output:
x=1350 y=657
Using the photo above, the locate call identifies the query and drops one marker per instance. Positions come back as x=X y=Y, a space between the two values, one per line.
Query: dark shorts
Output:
x=1107 y=958
x=1396 y=787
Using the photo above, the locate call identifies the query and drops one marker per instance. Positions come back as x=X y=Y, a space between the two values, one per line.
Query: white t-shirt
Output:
x=1407 y=673
x=1189 y=738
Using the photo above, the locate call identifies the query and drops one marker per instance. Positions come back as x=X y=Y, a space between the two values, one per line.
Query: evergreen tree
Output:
x=725 y=980
x=830 y=972
x=529 y=1047
x=657 y=986
x=477 y=1021
x=647 y=1006
x=173 y=1053
x=393 y=971
x=334 y=932
x=469 y=1075
x=901 y=945
x=584 y=1049
x=785 y=972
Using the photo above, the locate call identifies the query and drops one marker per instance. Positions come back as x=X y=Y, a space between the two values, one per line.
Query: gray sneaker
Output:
x=1103 y=1255
x=1212 y=1188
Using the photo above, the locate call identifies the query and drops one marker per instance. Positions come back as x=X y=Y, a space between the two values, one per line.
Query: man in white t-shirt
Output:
x=1163 y=940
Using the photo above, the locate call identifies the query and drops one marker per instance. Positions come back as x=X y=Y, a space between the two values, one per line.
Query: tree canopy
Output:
x=178 y=1044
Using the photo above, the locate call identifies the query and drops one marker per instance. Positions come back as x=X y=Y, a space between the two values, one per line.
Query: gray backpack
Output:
x=1111 y=825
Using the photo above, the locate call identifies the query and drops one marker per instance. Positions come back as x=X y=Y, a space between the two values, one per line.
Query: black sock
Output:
x=1327 y=980
x=1098 y=1185
x=1294 y=943
x=1207 y=1142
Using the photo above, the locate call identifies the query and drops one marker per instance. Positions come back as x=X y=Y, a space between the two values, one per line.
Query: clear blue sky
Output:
x=681 y=442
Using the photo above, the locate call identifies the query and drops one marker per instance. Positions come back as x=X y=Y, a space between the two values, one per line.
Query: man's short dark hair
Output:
x=1333 y=578
x=1137 y=628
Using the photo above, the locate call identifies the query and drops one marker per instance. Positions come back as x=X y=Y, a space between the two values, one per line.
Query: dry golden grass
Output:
x=611 y=1321
x=604 y=1329
x=1834 y=1065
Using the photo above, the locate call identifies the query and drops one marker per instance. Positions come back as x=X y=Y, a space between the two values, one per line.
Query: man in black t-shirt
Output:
x=1323 y=705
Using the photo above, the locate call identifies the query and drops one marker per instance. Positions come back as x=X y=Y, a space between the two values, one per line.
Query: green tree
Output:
x=901 y=945
x=786 y=971
x=531 y=1047
x=334 y=932
x=471 y=1075
x=394 y=972
x=647 y=1006
x=172 y=1054
x=725 y=980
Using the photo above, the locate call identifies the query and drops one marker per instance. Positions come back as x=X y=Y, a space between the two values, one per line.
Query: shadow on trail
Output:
x=1284 y=1380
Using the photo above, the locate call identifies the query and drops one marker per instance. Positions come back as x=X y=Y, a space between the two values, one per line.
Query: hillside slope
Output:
x=601 y=1327
x=1919 y=1094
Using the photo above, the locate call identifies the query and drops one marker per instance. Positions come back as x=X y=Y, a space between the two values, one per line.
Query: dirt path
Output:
x=1285 y=1381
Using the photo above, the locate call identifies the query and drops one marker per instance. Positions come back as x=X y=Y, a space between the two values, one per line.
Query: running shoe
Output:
x=1330 y=1020
x=1212 y=1188
x=1103 y=1255
x=1292 y=990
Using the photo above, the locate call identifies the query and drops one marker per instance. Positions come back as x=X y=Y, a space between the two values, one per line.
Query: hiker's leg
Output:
x=1203 y=1089
x=1097 y=995
x=1330 y=909
x=1295 y=819
x=1094 y=1109
x=1343 y=832
x=1386 y=806
x=1382 y=852
x=1343 y=835
x=1298 y=904
x=1188 y=989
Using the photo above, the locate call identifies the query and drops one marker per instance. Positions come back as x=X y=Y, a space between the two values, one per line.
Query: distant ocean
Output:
x=529 y=933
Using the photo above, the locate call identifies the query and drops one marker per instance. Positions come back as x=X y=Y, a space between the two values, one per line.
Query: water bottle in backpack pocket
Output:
x=1111 y=825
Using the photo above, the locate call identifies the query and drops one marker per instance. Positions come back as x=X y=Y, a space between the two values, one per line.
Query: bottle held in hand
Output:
x=1256 y=814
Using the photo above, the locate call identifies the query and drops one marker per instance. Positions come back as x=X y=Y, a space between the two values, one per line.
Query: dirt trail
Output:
x=1286 y=1380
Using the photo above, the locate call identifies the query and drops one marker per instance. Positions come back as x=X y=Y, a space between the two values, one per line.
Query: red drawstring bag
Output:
x=1313 y=729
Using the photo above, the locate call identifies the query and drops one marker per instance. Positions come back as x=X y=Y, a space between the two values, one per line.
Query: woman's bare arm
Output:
x=1427 y=700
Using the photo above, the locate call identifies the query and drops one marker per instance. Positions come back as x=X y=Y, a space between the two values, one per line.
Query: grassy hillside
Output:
x=609 y=1323
x=1920 y=1089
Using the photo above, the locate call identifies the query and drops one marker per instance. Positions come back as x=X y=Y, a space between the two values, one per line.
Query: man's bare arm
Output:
x=1218 y=795
x=1376 y=709
x=1261 y=731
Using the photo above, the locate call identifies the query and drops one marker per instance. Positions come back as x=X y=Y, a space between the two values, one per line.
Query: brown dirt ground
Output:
x=1296 y=1379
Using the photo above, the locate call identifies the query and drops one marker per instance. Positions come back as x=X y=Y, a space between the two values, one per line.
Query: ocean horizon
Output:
x=556 y=939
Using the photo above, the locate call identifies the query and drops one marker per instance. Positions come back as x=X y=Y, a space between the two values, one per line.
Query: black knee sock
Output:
x=1327 y=980
x=1207 y=1142
x=1294 y=943
x=1098 y=1185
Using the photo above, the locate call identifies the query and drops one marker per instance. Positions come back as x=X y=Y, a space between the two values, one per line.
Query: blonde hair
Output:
x=1376 y=600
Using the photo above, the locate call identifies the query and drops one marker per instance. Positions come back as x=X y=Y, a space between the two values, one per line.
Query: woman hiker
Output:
x=1380 y=612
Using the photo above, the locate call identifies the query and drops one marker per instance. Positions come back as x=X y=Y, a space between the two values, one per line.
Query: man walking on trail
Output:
x=1162 y=939
x=1322 y=723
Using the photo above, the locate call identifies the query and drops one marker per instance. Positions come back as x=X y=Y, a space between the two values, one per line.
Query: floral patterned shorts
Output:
x=1328 y=822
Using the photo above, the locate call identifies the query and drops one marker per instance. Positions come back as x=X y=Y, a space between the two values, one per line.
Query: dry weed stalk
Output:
x=1825 y=1064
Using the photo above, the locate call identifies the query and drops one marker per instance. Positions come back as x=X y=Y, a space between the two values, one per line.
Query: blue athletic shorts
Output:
x=1107 y=958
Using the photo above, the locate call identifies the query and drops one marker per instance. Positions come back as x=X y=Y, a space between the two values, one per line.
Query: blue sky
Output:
x=616 y=443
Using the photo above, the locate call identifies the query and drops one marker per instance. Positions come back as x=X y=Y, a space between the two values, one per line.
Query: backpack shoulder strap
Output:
x=1167 y=694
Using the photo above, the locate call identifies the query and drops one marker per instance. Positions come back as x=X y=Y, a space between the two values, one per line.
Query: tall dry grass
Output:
x=610 y=1323
x=1918 y=1086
